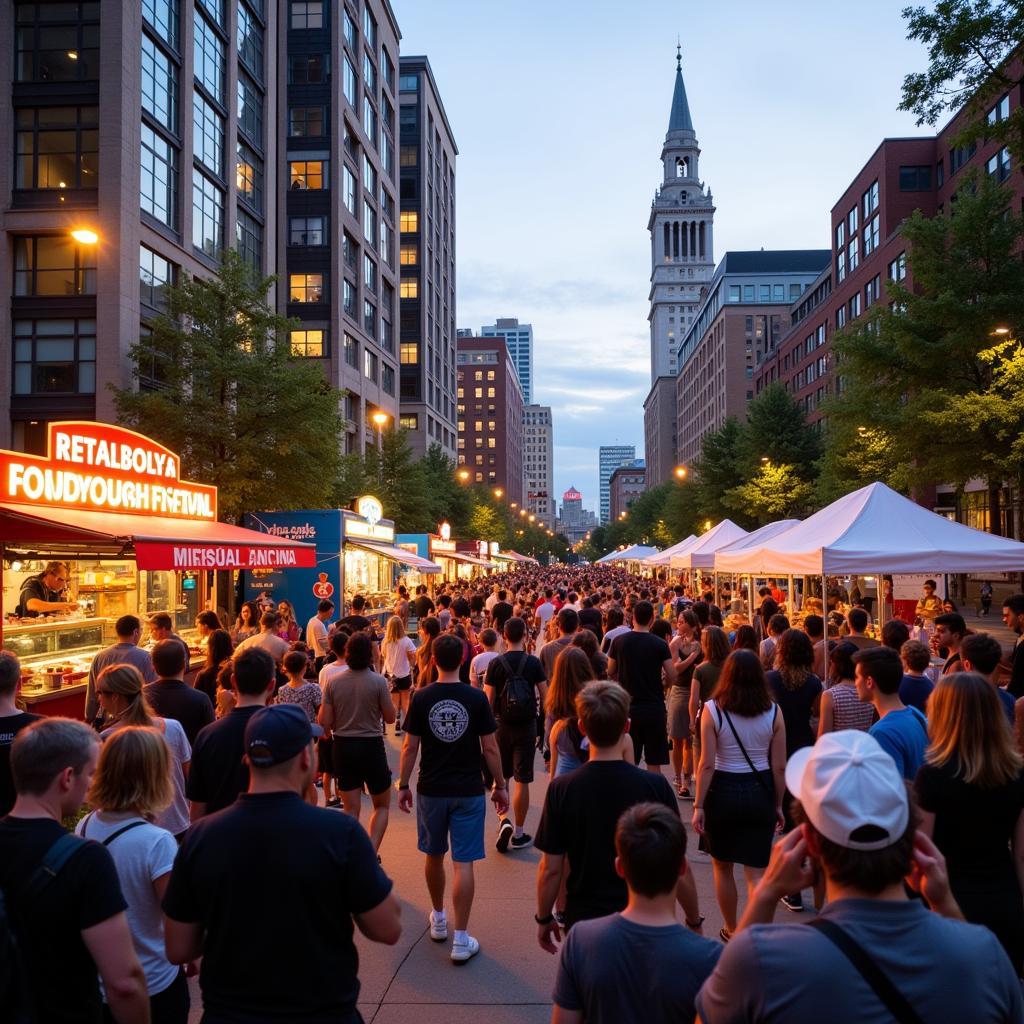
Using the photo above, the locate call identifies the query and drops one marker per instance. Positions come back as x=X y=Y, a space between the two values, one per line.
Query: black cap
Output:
x=276 y=734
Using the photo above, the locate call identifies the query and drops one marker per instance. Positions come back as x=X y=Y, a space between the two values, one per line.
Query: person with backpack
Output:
x=515 y=686
x=61 y=897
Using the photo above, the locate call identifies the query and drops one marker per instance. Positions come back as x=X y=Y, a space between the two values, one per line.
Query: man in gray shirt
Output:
x=859 y=830
x=125 y=652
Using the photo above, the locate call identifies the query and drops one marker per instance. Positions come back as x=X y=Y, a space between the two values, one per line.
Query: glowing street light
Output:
x=1003 y=331
x=85 y=236
x=463 y=475
x=522 y=512
x=681 y=472
x=533 y=519
x=498 y=493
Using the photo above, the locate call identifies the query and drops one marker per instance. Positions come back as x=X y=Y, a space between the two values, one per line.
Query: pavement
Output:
x=415 y=982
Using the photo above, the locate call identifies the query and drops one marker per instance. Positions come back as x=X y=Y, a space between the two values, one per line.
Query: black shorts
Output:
x=648 y=729
x=517 y=747
x=359 y=761
x=401 y=683
x=324 y=757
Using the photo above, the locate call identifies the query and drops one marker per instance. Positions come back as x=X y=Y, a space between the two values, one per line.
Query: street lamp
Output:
x=681 y=472
x=463 y=475
x=522 y=512
x=533 y=519
x=1003 y=331
x=85 y=236
x=379 y=419
x=498 y=493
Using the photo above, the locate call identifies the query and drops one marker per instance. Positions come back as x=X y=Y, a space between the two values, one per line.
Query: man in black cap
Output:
x=219 y=906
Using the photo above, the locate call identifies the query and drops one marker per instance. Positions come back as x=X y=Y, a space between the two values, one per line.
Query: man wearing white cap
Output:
x=873 y=955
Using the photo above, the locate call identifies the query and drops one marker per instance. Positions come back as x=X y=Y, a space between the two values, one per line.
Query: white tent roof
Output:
x=665 y=557
x=634 y=553
x=877 y=530
x=702 y=554
x=732 y=554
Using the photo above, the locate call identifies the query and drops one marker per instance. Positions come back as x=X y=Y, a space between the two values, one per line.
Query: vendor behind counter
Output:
x=46 y=592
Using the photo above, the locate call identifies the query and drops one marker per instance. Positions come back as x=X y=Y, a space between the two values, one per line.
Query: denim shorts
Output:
x=461 y=816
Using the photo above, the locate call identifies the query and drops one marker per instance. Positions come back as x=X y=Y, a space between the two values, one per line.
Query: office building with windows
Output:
x=575 y=522
x=490 y=416
x=519 y=339
x=626 y=485
x=660 y=431
x=539 y=463
x=426 y=255
x=610 y=457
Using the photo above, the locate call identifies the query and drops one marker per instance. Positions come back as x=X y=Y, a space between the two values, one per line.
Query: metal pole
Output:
x=824 y=606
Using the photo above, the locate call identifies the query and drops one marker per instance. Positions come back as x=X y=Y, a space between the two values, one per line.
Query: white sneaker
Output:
x=438 y=928
x=463 y=952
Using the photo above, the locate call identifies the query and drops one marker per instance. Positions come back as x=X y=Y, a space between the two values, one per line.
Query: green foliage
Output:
x=719 y=468
x=265 y=428
x=774 y=492
x=777 y=430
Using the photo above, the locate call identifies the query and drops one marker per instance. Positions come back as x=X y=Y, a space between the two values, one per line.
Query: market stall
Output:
x=103 y=526
x=457 y=564
x=663 y=559
x=356 y=553
x=752 y=540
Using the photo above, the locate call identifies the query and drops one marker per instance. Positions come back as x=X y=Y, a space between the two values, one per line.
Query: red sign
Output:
x=179 y=555
x=323 y=587
x=99 y=467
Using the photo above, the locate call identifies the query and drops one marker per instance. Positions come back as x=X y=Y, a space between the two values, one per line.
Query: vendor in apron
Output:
x=45 y=593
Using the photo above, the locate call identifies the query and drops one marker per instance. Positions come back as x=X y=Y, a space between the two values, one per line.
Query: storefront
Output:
x=356 y=553
x=457 y=564
x=127 y=534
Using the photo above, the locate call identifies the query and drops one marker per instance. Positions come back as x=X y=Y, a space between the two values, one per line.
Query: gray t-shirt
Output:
x=620 y=972
x=948 y=970
x=123 y=653
x=359 y=699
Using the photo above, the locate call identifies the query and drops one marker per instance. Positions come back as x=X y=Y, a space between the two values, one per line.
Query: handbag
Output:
x=743 y=749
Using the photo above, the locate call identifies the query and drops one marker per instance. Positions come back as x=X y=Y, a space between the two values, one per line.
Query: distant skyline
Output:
x=559 y=112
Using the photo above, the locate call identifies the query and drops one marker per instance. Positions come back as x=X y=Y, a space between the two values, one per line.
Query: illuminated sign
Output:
x=370 y=509
x=359 y=530
x=99 y=467
x=445 y=530
x=169 y=555
x=494 y=547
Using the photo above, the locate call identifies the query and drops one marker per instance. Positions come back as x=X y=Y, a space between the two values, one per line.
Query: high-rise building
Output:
x=575 y=522
x=626 y=485
x=490 y=416
x=426 y=256
x=660 y=431
x=539 y=463
x=172 y=130
x=519 y=338
x=610 y=457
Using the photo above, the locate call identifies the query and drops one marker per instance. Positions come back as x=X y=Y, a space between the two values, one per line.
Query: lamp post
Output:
x=681 y=472
x=463 y=475
x=498 y=493
x=379 y=419
x=85 y=236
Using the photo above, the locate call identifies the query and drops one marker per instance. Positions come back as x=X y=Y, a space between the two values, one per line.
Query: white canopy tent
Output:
x=701 y=555
x=752 y=540
x=875 y=530
x=634 y=553
x=665 y=557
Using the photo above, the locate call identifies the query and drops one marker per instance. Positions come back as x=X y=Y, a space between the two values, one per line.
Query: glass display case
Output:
x=55 y=655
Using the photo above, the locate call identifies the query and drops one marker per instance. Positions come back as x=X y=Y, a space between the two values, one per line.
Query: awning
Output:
x=463 y=556
x=395 y=554
x=514 y=556
x=155 y=542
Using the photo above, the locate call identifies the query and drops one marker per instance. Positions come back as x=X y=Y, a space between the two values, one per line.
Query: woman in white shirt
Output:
x=132 y=787
x=741 y=779
x=397 y=652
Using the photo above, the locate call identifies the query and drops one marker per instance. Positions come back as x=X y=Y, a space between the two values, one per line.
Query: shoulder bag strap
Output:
x=743 y=751
x=56 y=857
x=883 y=987
x=121 y=831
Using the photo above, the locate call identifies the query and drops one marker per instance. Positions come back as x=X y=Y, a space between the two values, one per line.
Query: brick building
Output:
x=627 y=483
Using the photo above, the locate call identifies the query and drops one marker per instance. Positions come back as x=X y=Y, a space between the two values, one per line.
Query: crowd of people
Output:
x=197 y=807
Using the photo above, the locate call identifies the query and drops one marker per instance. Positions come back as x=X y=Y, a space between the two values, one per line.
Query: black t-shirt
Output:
x=590 y=618
x=10 y=726
x=449 y=719
x=423 y=606
x=34 y=587
x=639 y=657
x=171 y=698
x=796 y=706
x=354 y=623
x=269 y=865
x=581 y=810
x=500 y=614
x=526 y=665
x=218 y=773
x=61 y=973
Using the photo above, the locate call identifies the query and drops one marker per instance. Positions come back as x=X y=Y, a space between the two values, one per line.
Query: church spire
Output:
x=679 y=120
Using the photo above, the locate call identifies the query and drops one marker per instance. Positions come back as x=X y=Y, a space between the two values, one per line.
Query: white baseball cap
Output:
x=845 y=782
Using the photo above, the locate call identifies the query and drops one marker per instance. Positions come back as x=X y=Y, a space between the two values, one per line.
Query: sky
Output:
x=559 y=109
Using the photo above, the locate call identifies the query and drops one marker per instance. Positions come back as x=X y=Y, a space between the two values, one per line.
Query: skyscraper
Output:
x=575 y=522
x=519 y=338
x=610 y=457
x=538 y=463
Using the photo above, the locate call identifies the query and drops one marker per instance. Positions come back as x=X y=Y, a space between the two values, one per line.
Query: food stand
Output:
x=136 y=537
x=356 y=553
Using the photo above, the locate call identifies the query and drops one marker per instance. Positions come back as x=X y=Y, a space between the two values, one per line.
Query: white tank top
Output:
x=755 y=734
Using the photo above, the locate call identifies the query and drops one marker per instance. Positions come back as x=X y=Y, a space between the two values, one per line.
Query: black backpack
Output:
x=519 y=696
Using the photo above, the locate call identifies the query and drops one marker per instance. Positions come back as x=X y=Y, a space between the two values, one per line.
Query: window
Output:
x=840 y=317
x=778 y=293
x=156 y=275
x=207 y=135
x=307 y=174
x=841 y=234
x=409 y=353
x=162 y=16
x=916 y=179
x=819 y=337
x=386 y=252
x=409 y=288
x=734 y=293
x=57 y=147
x=408 y=255
x=408 y=120
x=369 y=365
x=250 y=108
x=960 y=155
x=387 y=379
x=998 y=166
x=250 y=41
x=53 y=357
x=1000 y=112
x=249 y=239
x=855 y=306
x=408 y=83
x=872 y=291
x=306 y=14
x=408 y=156
x=369 y=175
x=305 y=288
x=369 y=74
x=369 y=274
x=57 y=42
x=387 y=334
x=348 y=189
x=305 y=122
x=308 y=68
x=348 y=27
x=348 y=298
x=841 y=265
x=207 y=214
x=349 y=250
x=209 y=57
x=853 y=254
x=492 y=442
x=215 y=8
x=249 y=176
x=159 y=84
x=369 y=28
x=348 y=80
x=309 y=343
x=370 y=121
x=351 y=347
x=898 y=268
x=387 y=68
x=765 y=292
x=869 y=200
x=369 y=223
x=409 y=221
x=158 y=171
x=871 y=235
x=410 y=421
x=53 y=265
x=370 y=318
x=306 y=231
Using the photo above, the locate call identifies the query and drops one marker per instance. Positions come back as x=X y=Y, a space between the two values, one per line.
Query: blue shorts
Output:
x=462 y=816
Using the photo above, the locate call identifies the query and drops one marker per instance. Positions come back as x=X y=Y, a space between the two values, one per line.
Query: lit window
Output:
x=409 y=255
x=306 y=174
x=409 y=353
x=307 y=343
x=409 y=221
x=409 y=422
x=305 y=287
x=409 y=288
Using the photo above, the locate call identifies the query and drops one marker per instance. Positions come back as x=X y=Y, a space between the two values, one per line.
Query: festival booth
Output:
x=632 y=558
x=512 y=559
x=456 y=563
x=137 y=540
x=664 y=558
x=753 y=540
x=476 y=557
x=700 y=554
x=355 y=554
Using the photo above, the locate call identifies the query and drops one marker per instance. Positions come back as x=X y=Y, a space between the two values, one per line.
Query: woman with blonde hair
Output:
x=971 y=794
x=398 y=653
x=130 y=789
x=119 y=689
x=287 y=628
x=573 y=670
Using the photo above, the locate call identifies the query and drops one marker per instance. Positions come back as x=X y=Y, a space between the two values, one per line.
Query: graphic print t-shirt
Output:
x=449 y=719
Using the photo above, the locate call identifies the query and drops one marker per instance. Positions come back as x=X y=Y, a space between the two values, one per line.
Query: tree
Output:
x=775 y=492
x=245 y=415
x=970 y=43
x=719 y=468
x=399 y=481
x=777 y=431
